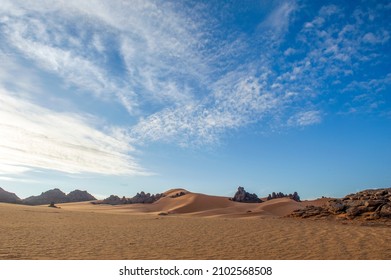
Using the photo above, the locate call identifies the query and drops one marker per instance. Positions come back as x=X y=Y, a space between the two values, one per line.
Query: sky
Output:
x=116 y=97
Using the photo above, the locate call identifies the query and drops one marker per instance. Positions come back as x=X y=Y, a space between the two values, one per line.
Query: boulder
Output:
x=335 y=206
x=385 y=211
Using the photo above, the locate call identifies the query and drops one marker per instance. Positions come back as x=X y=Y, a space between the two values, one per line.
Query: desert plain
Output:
x=192 y=226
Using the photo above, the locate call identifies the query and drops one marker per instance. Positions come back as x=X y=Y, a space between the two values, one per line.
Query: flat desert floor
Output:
x=195 y=228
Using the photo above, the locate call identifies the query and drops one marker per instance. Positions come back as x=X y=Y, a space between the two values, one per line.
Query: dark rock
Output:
x=53 y=205
x=295 y=196
x=178 y=195
x=141 y=197
x=242 y=196
x=9 y=197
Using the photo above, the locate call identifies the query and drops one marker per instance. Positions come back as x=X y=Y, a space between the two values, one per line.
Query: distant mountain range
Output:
x=9 y=197
x=51 y=196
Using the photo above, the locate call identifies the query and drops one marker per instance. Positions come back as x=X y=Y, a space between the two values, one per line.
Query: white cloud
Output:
x=33 y=137
x=279 y=18
x=236 y=101
x=376 y=39
x=305 y=118
x=178 y=82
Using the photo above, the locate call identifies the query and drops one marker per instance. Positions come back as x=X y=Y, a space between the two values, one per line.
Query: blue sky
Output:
x=123 y=96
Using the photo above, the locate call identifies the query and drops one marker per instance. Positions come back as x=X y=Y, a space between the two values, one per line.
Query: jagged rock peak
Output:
x=242 y=196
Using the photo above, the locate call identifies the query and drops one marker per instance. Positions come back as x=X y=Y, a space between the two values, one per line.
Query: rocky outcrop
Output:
x=367 y=205
x=242 y=196
x=57 y=196
x=9 y=197
x=78 y=196
x=141 y=197
x=295 y=196
x=112 y=200
x=178 y=194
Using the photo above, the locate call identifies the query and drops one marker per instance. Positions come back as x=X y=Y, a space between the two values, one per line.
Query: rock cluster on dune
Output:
x=368 y=204
x=9 y=197
x=295 y=196
x=57 y=196
x=242 y=196
x=141 y=197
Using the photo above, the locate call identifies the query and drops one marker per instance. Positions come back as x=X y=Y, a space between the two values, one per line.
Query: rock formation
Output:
x=141 y=197
x=178 y=194
x=368 y=205
x=295 y=196
x=112 y=200
x=57 y=196
x=9 y=197
x=242 y=196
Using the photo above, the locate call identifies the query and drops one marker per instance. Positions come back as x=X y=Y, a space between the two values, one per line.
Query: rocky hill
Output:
x=242 y=196
x=9 y=197
x=57 y=196
x=78 y=196
x=368 y=205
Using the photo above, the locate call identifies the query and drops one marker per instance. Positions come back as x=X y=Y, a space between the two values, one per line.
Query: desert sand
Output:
x=193 y=226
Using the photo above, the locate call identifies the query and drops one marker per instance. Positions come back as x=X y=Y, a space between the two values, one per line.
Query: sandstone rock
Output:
x=373 y=203
x=335 y=206
x=353 y=212
x=354 y=203
x=385 y=211
x=367 y=204
x=242 y=196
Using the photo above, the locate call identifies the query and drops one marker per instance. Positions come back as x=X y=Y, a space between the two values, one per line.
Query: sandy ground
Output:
x=198 y=227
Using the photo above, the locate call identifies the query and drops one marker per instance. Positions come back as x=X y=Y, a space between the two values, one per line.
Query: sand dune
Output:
x=197 y=226
x=197 y=204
